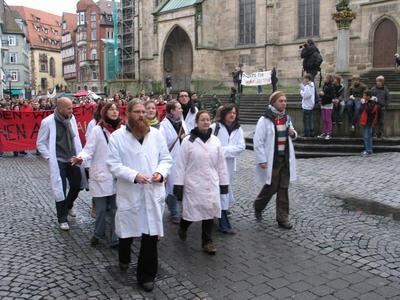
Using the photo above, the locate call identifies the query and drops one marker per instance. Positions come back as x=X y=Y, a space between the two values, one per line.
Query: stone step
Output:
x=313 y=147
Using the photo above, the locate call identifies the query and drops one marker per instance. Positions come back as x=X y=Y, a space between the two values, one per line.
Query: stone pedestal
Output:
x=342 y=50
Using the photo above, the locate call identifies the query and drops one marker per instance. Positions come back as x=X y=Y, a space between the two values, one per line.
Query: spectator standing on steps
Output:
x=368 y=117
x=307 y=93
x=381 y=92
x=168 y=84
x=327 y=94
x=58 y=141
x=274 y=79
x=275 y=158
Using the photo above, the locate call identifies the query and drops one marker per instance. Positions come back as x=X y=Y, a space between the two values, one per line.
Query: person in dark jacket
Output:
x=309 y=53
x=368 y=117
x=338 y=102
x=327 y=94
x=274 y=80
x=356 y=92
x=381 y=92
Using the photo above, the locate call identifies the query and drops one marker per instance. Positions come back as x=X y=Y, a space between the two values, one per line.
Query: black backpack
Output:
x=316 y=60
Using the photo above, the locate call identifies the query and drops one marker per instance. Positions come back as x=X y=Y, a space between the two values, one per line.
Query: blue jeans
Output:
x=353 y=108
x=367 y=137
x=224 y=224
x=172 y=203
x=338 y=112
x=308 y=122
x=102 y=205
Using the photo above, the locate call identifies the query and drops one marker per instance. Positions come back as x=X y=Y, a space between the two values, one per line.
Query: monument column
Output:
x=343 y=18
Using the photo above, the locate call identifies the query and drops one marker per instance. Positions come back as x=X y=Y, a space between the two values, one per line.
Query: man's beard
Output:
x=139 y=128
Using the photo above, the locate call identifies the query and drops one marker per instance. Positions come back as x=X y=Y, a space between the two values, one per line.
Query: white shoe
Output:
x=72 y=212
x=327 y=137
x=64 y=226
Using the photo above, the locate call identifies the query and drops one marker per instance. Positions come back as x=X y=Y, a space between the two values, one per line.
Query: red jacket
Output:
x=368 y=113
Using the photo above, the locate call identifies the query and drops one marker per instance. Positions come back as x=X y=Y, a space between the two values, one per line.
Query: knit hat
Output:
x=275 y=96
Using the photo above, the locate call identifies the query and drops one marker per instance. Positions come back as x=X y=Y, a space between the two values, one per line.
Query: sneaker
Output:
x=64 y=226
x=182 y=234
x=285 y=225
x=23 y=153
x=209 y=249
x=94 y=241
x=364 y=153
x=327 y=137
x=72 y=212
x=322 y=136
x=353 y=128
x=230 y=231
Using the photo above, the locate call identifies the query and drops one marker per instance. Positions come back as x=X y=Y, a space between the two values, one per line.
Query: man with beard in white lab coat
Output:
x=140 y=161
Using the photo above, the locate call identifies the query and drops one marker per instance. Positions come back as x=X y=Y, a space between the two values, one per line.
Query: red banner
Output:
x=19 y=130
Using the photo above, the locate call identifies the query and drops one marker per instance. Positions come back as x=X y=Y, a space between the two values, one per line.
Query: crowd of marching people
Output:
x=184 y=161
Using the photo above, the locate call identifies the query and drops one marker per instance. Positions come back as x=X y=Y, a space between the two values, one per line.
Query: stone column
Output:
x=343 y=18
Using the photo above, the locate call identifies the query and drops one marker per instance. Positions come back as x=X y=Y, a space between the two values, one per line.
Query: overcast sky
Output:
x=56 y=7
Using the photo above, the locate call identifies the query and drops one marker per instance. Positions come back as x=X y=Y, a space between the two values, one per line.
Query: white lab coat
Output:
x=170 y=135
x=89 y=129
x=190 y=119
x=232 y=146
x=139 y=206
x=46 y=144
x=101 y=181
x=264 y=148
x=201 y=169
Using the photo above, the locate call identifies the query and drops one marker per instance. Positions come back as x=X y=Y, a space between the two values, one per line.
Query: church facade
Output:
x=204 y=40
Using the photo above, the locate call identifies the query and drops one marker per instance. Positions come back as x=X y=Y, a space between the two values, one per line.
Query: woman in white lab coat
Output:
x=174 y=129
x=230 y=134
x=101 y=181
x=201 y=177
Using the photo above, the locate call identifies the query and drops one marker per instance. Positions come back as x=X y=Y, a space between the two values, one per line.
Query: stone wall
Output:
x=215 y=38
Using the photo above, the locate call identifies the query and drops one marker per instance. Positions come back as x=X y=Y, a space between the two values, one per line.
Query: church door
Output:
x=385 y=44
x=178 y=59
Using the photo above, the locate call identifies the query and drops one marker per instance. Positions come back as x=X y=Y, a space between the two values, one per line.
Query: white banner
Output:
x=256 y=78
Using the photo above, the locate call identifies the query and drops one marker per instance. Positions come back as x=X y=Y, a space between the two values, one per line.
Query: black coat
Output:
x=329 y=93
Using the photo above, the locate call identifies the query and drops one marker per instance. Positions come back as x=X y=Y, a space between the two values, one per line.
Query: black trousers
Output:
x=147 y=264
x=206 y=230
x=73 y=175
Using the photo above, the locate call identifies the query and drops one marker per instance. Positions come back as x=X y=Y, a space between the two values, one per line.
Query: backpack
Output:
x=316 y=60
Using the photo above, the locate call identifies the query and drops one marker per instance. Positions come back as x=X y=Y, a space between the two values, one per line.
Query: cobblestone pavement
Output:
x=344 y=244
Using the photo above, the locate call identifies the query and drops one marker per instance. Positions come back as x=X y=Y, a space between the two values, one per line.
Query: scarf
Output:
x=186 y=107
x=235 y=125
x=110 y=125
x=196 y=133
x=153 y=122
x=66 y=122
x=277 y=114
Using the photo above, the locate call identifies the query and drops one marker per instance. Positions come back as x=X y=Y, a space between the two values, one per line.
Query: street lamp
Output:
x=9 y=79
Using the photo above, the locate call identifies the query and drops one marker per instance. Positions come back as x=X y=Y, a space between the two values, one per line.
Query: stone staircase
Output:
x=392 y=78
x=253 y=106
x=314 y=147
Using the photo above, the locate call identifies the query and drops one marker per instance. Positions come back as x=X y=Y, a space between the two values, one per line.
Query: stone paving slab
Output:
x=340 y=248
